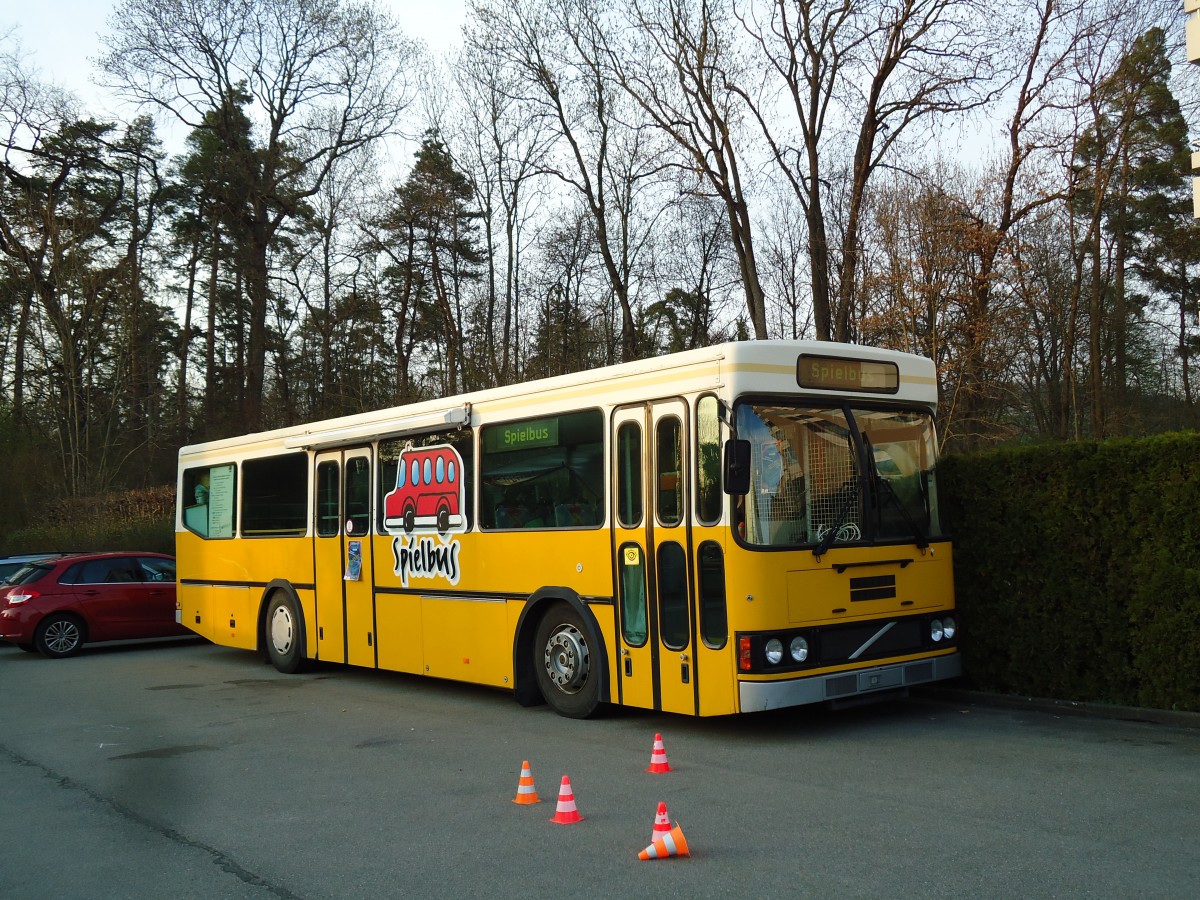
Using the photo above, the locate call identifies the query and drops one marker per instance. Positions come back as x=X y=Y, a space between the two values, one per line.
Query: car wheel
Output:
x=566 y=673
x=284 y=635
x=59 y=636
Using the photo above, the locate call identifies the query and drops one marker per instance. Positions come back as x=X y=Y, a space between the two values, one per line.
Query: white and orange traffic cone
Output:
x=662 y=824
x=526 y=792
x=566 y=813
x=670 y=844
x=658 y=756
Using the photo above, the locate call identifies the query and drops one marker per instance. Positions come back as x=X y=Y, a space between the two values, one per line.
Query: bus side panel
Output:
x=221 y=613
x=398 y=624
x=606 y=622
x=467 y=640
x=522 y=562
x=716 y=667
x=222 y=583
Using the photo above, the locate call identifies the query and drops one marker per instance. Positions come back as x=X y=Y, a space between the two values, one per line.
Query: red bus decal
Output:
x=429 y=492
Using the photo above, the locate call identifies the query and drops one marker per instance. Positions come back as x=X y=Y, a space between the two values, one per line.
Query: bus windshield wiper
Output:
x=843 y=519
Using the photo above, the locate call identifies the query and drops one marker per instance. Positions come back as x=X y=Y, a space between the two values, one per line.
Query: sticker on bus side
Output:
x=424 y=511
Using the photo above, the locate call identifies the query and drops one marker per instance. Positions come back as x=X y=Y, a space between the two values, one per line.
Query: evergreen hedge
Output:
x=1077 y=569
x=140 y=519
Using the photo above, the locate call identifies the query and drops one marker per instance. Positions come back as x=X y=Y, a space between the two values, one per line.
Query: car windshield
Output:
x=807 y=479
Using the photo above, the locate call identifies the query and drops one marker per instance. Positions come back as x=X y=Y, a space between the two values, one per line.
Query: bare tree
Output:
x=1047 y=38
x=505 y=143
x=683 y=69
x=872 y=72
x=558 y=51
x=321 y=77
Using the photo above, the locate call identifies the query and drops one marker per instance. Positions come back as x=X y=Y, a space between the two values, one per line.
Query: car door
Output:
x=156 y=600
x=104 y=595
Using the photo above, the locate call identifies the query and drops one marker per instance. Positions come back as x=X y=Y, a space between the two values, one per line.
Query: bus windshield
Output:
x=808 y=485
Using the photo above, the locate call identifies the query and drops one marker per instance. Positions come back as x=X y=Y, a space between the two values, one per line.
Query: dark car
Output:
x=54 y=606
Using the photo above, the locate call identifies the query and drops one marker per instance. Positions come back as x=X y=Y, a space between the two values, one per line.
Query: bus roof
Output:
x=728 y=370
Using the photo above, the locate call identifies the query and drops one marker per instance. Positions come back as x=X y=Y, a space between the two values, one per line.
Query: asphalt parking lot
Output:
x=189 y=770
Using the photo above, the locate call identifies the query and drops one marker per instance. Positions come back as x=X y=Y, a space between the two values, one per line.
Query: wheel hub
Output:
x=281 y=630
x=566 y=659
x=62 y=636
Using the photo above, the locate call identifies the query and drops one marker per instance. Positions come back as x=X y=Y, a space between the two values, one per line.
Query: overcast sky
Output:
x=62 y=37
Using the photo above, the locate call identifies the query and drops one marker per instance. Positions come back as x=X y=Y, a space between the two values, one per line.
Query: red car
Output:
x=55 y=605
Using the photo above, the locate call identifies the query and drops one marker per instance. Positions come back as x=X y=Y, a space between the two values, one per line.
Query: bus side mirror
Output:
x=737 y=467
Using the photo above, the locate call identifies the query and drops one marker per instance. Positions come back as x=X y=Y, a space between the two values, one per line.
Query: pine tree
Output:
x=1133 y=159
x=432 y=216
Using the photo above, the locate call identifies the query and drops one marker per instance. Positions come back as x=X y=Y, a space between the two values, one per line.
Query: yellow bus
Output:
x=744 y=527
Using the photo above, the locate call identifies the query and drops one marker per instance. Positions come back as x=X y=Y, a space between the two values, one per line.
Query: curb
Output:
x=1169 y=717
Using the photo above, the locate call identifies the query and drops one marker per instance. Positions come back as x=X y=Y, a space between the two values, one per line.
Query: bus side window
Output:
x=358 y=495
x=543 y=473
x=668 y=464
x=633 y=595
x=629 y=474
x=207 y=500
x=194 y=500
x=708 y=461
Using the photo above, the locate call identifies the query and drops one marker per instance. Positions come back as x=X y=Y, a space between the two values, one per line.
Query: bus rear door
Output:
x=345 y=629
x=651 y=545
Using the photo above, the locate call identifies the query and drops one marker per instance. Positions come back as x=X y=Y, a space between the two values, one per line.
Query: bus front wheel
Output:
x=565 y=670
x=283 y=635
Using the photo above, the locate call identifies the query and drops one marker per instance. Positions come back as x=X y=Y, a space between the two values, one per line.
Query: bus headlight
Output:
x=949 y=628
x=936 y=631
x=799 y=649
x=774 y=651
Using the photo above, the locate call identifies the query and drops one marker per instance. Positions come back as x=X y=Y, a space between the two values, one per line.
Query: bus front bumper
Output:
x=756 y=696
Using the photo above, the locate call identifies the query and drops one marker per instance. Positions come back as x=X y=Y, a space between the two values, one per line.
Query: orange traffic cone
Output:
x=662 y=824
x=658 y=756
x=526 y=792
x=670 y=844
x=566 y=812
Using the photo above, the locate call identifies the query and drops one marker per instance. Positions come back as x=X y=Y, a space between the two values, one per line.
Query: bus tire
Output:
x=566 y=672
x=283 y=634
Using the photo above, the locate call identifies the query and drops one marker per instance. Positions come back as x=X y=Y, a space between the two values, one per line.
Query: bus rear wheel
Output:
x=284 y=635
x=565 y=670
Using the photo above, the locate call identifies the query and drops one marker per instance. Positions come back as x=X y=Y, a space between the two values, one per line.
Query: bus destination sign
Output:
x=521 y=435
x=834 y=373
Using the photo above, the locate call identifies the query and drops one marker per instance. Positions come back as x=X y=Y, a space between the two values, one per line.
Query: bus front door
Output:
x=345 y=613
x=651 y=543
